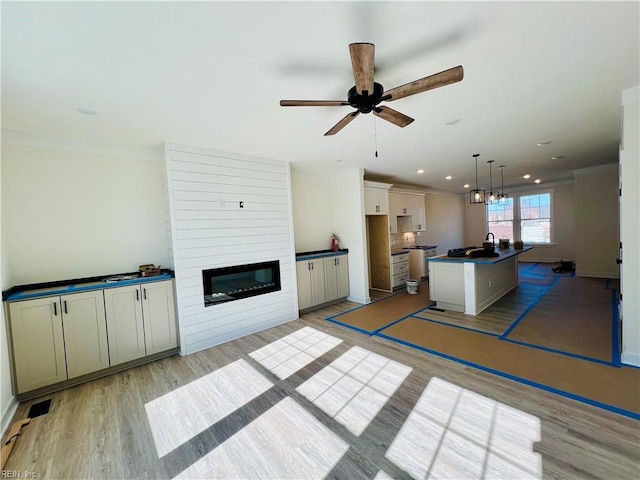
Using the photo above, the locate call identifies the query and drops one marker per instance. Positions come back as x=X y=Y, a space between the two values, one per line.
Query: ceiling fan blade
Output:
x=393 y=116
x=342 y=123
x=312 y=103
x=436 y=80
x=362 y=62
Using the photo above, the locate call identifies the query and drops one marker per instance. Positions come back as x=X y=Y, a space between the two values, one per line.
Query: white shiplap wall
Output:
x=210 y=230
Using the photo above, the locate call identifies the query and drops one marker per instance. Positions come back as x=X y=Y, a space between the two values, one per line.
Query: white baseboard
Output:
x=8 y=414
x=361 y=300
x=583 y=273
x=630 y=359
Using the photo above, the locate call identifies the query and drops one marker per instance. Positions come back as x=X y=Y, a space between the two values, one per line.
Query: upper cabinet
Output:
x=376 y=198
x=406 y=211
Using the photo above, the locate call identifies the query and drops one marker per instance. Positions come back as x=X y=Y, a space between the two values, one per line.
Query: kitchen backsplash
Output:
x=403 y=240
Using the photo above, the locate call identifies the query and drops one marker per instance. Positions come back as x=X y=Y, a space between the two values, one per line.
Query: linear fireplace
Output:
x=241 y=281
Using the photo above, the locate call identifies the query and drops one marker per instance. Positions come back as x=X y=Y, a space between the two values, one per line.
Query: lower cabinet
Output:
x=311 y=286
x=322 y=280
x=399 y=269
x=336 y=277
x=63 y=337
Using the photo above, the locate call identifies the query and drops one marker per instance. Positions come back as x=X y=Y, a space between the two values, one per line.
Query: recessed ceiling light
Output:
x=526 y=176
x=466 y=185
x=448 y=177
x=339 y=160
x=537 y=180
x=85 y=111
x=545 y=143
x=558 y=157
x=421 y=171
x=453 y=121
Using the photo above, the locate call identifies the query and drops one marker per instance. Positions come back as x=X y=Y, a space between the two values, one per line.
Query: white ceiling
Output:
x=212 y=73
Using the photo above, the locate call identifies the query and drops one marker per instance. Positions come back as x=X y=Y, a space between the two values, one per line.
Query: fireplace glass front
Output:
x=241 y=281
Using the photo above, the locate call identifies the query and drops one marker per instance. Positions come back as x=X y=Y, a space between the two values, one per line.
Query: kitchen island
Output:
x=470 y=285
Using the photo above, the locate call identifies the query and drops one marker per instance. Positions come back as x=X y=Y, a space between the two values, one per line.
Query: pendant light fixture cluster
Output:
x=480 y=196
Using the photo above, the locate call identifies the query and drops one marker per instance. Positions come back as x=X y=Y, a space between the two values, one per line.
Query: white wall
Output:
x=8 y=403
x=597 y=221
x=69 y=214
x=630 y=226
x=211 y=230
x=312 y=211
x=347 y=196
x=444 y=214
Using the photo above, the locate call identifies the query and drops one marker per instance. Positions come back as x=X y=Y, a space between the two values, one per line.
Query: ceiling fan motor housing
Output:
x=365 y=103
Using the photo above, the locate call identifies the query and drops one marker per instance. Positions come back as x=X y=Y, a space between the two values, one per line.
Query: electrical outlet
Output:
x=241 y=204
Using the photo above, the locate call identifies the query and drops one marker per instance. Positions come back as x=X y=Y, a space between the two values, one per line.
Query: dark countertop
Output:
x=503 y=254
x=421 y=247
x=64 y=287
x=399 y=252
x=320 y=254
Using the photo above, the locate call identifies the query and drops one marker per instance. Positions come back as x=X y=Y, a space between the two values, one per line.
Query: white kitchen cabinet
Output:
x=399 y=269
x=58 y=338
x=38 y=343
x=85 y=333
x=311 y=286
x=418 y=213
x=125 y=326
x=158 y=311
x=336 y=277
x=376 y=198
x=140 y=320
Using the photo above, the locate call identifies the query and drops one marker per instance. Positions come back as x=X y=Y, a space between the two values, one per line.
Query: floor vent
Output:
x=39 y=408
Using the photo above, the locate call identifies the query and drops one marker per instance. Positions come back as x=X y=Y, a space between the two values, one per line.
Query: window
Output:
x=527 y=217
x=500 y=218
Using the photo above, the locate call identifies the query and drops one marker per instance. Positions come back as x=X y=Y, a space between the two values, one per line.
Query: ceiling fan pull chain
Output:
x=375 y=135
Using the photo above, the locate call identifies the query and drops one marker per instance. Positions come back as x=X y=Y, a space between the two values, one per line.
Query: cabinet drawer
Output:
x=399 y=280
x=398 y=268
x=431 y=252
x=403 y=257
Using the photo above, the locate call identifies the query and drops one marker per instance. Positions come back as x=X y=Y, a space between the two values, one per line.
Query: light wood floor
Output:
x=102 y=430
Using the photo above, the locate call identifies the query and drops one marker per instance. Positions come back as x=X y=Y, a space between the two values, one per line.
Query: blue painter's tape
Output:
x=560 y=352
x=360 y=330
x=545 y=388
x=615 y=325
x=454 y=326
x=527 y=310
x=366 y=305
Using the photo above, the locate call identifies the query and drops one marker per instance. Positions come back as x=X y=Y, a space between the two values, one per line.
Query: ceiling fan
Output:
x=366 y=95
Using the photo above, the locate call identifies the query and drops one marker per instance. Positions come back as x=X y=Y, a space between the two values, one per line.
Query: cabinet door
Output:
x=417 y=213
x=318 y=293
x=85 y=332
x=331 y=278
x=370 y=201
x=303 y=274
x=38 y=344
x=123 y=306
x=394 y=207
x=382 y=200
x=343 y=276
x=158 y=311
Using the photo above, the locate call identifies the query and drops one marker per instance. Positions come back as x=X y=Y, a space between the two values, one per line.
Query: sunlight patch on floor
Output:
x=355 y=387
x=289 y=354
x=453 y=432
x=285 y=442
x=181 y=414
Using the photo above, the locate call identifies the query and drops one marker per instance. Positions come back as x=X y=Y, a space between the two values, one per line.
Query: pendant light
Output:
x=492 y=197
x=503 y=196
x=476 y=196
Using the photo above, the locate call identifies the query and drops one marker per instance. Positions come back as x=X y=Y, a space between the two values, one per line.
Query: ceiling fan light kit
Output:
x=476 y=196
x=366 y=95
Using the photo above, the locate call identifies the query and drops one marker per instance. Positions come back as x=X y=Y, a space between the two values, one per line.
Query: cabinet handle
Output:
x=144 y=293
x=311 y=265
x=65 y=306
x=137 y=295
x=308 y=265
x=337 y=261
x=55 y=309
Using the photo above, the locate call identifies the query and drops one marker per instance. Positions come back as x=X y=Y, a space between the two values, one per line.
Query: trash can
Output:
x=413 y=287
